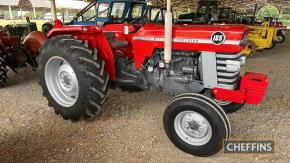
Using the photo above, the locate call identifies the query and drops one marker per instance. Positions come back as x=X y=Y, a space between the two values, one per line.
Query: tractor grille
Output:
x=227 y=79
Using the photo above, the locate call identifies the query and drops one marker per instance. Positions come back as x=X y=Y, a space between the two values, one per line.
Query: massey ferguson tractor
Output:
x=207 y=13
x=198 y=65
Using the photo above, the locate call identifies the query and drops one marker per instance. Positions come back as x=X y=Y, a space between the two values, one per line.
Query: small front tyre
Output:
x=196 y=125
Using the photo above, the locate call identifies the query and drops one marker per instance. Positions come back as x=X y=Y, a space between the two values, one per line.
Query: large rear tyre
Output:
x=72 y=77
x=196 y=125
x=3 y=70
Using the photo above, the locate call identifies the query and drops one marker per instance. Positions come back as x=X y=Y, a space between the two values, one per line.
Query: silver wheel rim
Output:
x=279 y=38
x=193 y=128
x=61 y=81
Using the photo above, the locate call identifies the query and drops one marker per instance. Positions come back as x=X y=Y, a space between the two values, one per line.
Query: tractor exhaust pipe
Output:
x=168 y=34
x=255 y=12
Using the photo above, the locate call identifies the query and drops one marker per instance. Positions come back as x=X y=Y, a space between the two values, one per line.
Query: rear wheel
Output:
x=196 y=125
x=272 y=45
x=280 y=39
x=3 y=70
x=72 y=77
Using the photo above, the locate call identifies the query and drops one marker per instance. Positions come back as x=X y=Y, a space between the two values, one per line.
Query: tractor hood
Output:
x=214 y=38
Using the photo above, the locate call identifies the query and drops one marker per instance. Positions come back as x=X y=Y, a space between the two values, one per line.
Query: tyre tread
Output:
x=94 y=82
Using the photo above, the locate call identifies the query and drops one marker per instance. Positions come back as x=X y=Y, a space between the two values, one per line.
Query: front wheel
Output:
x=196 y=125
x=227 y=106
x=230 y=107
x=72 y=77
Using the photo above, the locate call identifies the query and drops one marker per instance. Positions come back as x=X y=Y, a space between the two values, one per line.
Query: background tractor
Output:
x=241 y=18
x=21 y=29
x=121 y=47
x=226 y=16
x=185 y=18
x=207 y=13
x=13 y=53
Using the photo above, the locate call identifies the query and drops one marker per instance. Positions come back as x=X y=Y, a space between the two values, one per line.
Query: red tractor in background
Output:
x=199 y=65
x=13 y=53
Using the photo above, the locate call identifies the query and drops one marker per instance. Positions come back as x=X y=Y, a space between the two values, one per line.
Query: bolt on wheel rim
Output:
x=61 y=81
x=193 y=128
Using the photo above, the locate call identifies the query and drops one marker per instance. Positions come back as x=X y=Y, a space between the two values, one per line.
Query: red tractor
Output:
x=13 y=53
x=199 y=65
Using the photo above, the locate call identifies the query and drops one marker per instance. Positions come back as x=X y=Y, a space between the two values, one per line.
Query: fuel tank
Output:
x=215 y=38
x=226 y=39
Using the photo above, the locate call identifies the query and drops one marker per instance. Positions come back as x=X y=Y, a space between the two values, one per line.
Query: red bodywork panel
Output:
x=96 y=39
x=34 y=41
x=252 y=89
x=142 y=44
x=190 y=37
x=119 y=30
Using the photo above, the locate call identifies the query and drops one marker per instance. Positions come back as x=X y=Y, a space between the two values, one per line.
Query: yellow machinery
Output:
x=261 y=37
x=250 y=49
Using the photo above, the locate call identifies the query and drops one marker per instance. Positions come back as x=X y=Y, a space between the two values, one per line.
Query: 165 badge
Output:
x=218 y=38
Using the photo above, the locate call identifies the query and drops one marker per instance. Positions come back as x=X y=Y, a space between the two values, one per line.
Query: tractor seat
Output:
x=114 y=43
x=117 y=44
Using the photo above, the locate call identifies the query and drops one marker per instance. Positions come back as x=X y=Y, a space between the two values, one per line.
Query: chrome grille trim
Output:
x=229 y=56
x=228 y=74
x=226 y=79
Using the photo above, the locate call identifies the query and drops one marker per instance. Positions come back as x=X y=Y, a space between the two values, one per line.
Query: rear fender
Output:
x=95 y=38
x=34 y=41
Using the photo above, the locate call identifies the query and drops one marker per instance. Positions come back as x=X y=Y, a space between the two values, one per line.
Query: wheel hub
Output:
x=193 y=128
x=64 y=77
x=194 y=125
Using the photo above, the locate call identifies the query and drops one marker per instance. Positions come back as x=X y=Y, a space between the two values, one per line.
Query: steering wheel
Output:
x=139 y=22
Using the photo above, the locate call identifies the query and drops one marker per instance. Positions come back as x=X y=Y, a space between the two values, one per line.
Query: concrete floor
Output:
x=129 y=129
